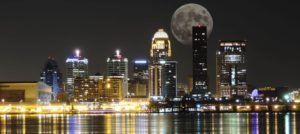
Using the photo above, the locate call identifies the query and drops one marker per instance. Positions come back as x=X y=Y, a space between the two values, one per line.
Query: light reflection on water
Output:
x=223 y=123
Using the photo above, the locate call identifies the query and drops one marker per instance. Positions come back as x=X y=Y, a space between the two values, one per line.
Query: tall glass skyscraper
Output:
x=160 y=52
x=76 y=66
x=139 y=84
x=200 y=79
x=52 y=77
x=140 y=70
x=231 y=69
x=117 y=65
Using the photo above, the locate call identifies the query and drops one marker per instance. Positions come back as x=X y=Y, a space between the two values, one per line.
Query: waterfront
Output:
x=268 y=123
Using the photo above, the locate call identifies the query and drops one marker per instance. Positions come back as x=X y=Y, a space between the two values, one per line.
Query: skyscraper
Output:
x=140 y=70
x=52 y=77
x=76 y=66
x=139 y=83
x=117 y=65
x=170 y=79
x=200 y=79
x=231 y=69
x=160 y=52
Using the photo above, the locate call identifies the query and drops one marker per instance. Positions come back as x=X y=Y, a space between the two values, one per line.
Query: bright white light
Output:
x=140 y=62
x=117 y=52
x=77 y=52
x=85 y=61
x=162 y=62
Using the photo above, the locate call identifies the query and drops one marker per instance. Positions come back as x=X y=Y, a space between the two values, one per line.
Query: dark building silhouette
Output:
x=170 y=79
x=200 y=78
x=52 y=77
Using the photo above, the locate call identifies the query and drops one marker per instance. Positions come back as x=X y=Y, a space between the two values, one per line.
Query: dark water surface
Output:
x=227 y=123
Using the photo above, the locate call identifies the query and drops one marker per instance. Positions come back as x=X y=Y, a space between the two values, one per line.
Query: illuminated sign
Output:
x=162 y=62
x=140 y=62
x=233 y=58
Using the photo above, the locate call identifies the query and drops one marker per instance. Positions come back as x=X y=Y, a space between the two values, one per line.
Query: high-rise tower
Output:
x=117 y=65
x=170 y=79
x=52 y=77
x=140 y=70
x=200 y=78
x=231 y=69
x=160 y=52
x=76 y=66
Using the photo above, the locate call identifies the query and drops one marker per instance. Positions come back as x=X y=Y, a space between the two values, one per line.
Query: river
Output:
x=165 y=123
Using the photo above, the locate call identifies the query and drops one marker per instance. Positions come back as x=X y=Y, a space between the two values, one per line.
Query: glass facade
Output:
x=140 y=70
x=139 y=84
x=231 y=69
x=76 y=66
x=117 y=65
x=52 y=77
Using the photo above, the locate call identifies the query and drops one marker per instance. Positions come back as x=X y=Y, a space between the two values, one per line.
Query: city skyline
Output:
x=43 y=35
x=171 y=66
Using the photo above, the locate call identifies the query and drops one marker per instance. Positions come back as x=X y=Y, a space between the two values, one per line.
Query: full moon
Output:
x=187 y=16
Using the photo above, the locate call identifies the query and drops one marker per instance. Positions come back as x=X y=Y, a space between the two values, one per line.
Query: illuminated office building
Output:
x=52 y=77
x=160 y=52
x=111 y=88
x=231 y=69
x=86 y=89
x=76 y=66
x=200 y=78
x=117 y=65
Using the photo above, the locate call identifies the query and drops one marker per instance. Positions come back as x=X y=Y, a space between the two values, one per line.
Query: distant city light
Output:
x=140 y=62
x=286 y=97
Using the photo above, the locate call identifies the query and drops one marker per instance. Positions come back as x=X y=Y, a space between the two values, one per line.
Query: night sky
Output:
x=30 y=32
